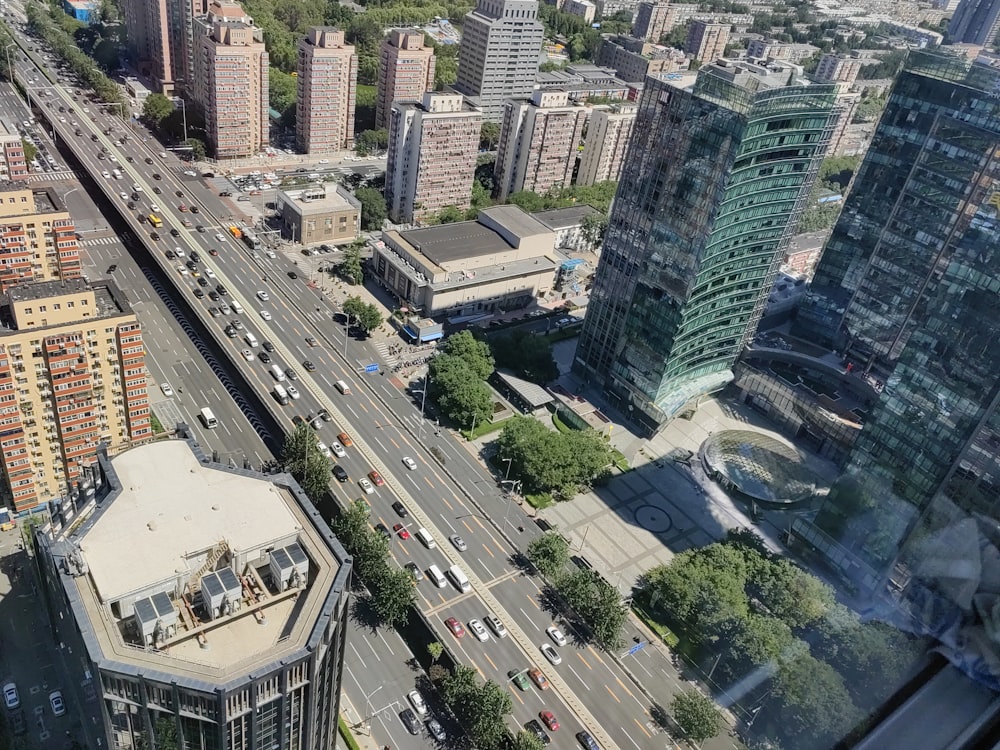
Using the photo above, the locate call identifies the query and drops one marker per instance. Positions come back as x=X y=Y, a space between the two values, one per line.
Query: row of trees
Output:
x=835 y=175
x=746 y=611
x=364 y=315
x=457 y=379
x=598 y=195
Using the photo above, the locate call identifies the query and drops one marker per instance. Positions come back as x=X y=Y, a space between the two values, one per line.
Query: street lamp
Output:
x=10 y=68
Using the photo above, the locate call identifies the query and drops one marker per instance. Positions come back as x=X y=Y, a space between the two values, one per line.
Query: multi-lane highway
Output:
x=453 y=496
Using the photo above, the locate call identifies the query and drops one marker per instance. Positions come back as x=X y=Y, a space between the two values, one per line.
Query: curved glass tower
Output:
x=714 y=181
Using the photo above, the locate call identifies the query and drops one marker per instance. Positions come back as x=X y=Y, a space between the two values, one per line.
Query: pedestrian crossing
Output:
x=383 y=351
x=96 y=241
x=36 y=177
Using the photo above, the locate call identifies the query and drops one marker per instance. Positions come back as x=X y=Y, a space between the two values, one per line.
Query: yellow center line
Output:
x=464 y=523
x=584 y=661
x=612 y=694
x=445 y=501
x=533 y=602
x=596 y=655
x=429 y=483
x=362 y=405
x=394 y=443
x=503 y=552
x=517 y=693
x=641 y=726
x=623 y=687
x=488 y=552
x=487 y=657
x=443 y=600
x=480 y=523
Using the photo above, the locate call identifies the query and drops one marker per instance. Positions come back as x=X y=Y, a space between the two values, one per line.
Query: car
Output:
x=222 y=290
x=248 y=355
x=267 y=345
x=403 y=532
x=123 y=196
x=540 y=680
x=587 y=741
x=550 y=653
x=263 y=296
x=311 y=341
x=225 y=194
x=458 y=542
x=210 y=273
x=519 y=679
x=10 y=697
x=220 y=238
x=549 y=719
x=308 y=366
x=106 y=174
x=345 y=440
x=478 y=630
x=400 y=509
x=112 y=268
x=202 y=281
x=337 y=448
x=195 y=257
x=415 y=572
x=148 y=160
x=179 y=252
x=174 y=232
x=383 y=531
x=496 y=626
x=410 y=721
x=455 y=627
x=179 y=193
x=182 y=208
x=376 y=478
x=324 y=415
x=366 y=486
x=417 y=701
x=292 y=275
x=436 y=730
x=292 y=391
x=264 y=314
x=291 y=374
x=214 y=296
x=154 y=208
x=264 y=357
x=556 y=635
x=157 y=190
x=198 y=293
x=156 y=176
x=57 y=702
x=237 y=324
x=536 y=729
x=339 y=473
x=409 y=463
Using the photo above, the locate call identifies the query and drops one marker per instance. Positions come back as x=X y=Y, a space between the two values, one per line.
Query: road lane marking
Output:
x=582 y=681
x=637 y=745
x=531 y=599
x=503 y=552
x=517 y=693
x=642 y=727
x=612 y=694
x=445 y=501
x=584 y=661
x=623 y=687
x=488 y=551
x=464 y=523
x=487 y=657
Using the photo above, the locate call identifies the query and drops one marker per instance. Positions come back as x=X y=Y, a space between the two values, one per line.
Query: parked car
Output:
x=410 y=721
x=417 y=701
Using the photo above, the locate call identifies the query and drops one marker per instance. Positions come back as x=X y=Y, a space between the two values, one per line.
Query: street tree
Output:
x=528 y=355
x=550 y=554
x=30 y=151
x=482 y=707
x=156 y=109
x=373 y=208
x=369 y=318
x=302 y=458
x=746 y=643
x=525 y=740
x=392 y=595
x=459 y=392
x=435 y=649
x=489 y=136
x=349 y=267
x=788 y=592
x=351 y=524
x=475 y=353
x=198 y=148
x=696 y=715
x=370 y=555
x=811 y=703
x=598 y=603
x=458 y=685
x=371 y=141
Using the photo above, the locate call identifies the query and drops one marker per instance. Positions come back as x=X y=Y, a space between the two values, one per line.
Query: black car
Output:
x=171 y=255
x=154 y=236
x=194 y=209
x=225 y=194
x=222 y=290
x=192 y=266
x=325 y=415
x=536 y=729
x=179 y=193
x=339 y=473
x=292 y=275
x=131 y=206
x=200 y=228
x=195 y=257
x=156 y=176
x=587 y=741
x=264 y=357
x=135 y=196
x=400 y=509
x=384 y=531
x=310 y=367
x=202 y=281
x=436 y=730
x=213 y=295
x=410 y=721
x=148 y=160
x=174 y=233
x=198 y=293
x=157 y=190
x=291 y=374
x=112 y=268
x=268 y=346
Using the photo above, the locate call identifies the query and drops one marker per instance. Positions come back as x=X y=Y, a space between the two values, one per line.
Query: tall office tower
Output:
x=499 y=55
x=231 y=83
x=606 y=144
x=907 y=290
x=714 y=182
x=975 y=22
x=706 y=42
x=405 y=71
x=539 y=142
x=73 y=375
x=651 y=20
x=327 y=84
x=433 y=148
x=39 y=238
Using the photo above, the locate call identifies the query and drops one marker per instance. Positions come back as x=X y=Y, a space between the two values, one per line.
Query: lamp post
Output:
x=368 y=702
x=10 y=68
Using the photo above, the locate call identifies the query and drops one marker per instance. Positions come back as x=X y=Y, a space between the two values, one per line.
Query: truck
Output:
x=235 y=231
x=7 y=521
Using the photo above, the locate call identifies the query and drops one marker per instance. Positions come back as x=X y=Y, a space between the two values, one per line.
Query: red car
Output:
x=540 y=680
x=376 y=478
x=402 y=531
x=182 y=207
x=456 y=628
x=549 y=720
x=213 y=252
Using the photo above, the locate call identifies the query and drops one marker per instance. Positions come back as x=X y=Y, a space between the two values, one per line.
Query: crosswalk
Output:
x=37 y=177
x=95 y=241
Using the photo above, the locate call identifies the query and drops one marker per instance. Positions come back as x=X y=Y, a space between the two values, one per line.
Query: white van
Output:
x=208 y=418
x=280 y=394
x=459 y=578
x=277 y=373
x=425 y=538
x=251 y=340
x=237 y=307
x=434 y=573
x=343 y=387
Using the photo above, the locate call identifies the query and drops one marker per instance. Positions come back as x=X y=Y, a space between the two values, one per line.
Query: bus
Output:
x=155 y=220
x=208 y=418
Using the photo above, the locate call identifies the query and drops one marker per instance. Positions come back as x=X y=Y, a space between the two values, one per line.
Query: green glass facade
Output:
x=714 y=181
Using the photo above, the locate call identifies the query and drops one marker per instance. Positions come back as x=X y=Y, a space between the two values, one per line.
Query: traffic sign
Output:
x=373 y=367
x=636 y=647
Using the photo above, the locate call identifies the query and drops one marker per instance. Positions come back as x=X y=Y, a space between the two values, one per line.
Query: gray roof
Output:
x=451 y=242
x=532 y=393
x=563 y=218
x=515 y=220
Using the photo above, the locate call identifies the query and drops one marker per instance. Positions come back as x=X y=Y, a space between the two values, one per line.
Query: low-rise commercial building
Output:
x=502 y=261
x=582 y=8
x=569 y=226
x=200 y=602
x=584 y=81
x=37 y=238
x=325 y=213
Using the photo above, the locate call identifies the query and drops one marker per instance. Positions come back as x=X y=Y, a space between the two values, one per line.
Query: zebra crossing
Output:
x=95 y=241
x=383 y=350
x=37 y=177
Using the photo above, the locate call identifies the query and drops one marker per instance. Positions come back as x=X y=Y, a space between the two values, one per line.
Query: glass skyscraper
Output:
x=716 y=176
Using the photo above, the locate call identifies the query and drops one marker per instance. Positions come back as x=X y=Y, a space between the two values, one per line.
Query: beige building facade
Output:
x=706 y=42
x=604 y=148
x=838 y=69
x=633 y=59
x=325 y=213
x=406 y=69
x=327 y=87
x=652 y=20
x=14 y=166
x=37 y=238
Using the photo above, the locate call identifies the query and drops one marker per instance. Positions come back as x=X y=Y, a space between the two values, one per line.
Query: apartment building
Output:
x=706 y=42
x=499 y=54
x=405 y=71
x=433 y=146
x=769 y=49
x=834 y=68
x=604 y=148
x=231 y=81
x=13 y=166
x=633 y=59
x=160 y=35
x=582 y=8
x=327 y=82
x=651 y=20
x=72 y=375
x=37 y=238
x=539 y=141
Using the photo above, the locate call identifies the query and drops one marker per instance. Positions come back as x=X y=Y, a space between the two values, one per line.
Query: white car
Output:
x=338 y=449
x=123 y=196
x=550 y=653
x=478 y=630
x=179 y=252
x=324 y=450
x=409 y=463
x=220 y=238
x=167 y=390
x=293 y=392
x=265 y=315
x=556 y=635
x=182 y=270
x=210 y=273
x=366 y=486
x=270 y=253
x=263 y=296
x=154 y=208
x=57 y=703
x=136 y=187
x=248 y=355
x=10 y=696
x=496 y=626
x=106 y=174
x=417 y=701
x=324 y=161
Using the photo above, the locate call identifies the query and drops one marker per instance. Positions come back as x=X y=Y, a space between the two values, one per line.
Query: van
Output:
x=314 y=176
x=277 y=373
x=342 y=387
x=237 y=307
x=425 y=538
x=434 y=573
x=251 y=340
x=459 y=578
x=208 y=418
x=280 y=394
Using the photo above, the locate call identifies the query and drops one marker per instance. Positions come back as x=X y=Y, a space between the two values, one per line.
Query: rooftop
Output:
x=318 y=199
x=109 y=301
x=564 y=218
x=448 y=243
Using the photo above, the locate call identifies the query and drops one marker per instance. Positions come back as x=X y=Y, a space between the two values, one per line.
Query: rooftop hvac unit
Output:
x=281 y=569
x=300 y=562
x=155 y=619
x=233 y=590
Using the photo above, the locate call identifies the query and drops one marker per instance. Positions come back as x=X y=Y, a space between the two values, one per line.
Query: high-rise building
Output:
x=200 y=602
x=160 y=37
x=715 y=179
x=405 y=71
x=604 y=148
x=433 y=148
x=73 y=375
x=539 y=142
x=13 y=166
x=975 y=22
x=906 y=290
x=652 y=20
x=231 y=82
x=499 y=54
x=327 y=85
x=633 y=59
x=39 y=238
x=834 y=68
x=706 y=42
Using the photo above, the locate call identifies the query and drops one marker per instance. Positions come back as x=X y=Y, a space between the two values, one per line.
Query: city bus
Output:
x=155 y=220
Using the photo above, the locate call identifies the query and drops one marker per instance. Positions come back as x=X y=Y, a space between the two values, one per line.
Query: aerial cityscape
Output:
x=499 y=374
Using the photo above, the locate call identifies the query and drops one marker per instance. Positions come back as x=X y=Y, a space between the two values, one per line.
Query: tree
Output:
x=525 y=740
x=30 y=151
x=598 y=603
x=373 y=208
x=435 y=650
x=697 y=715
x=789 y=593
x=371 y=141
x=593 y=229
x=392 y=595
x=197 y=147
x=302 y=458
x=812 y=705
x=349 y=267
x=489 y=136
x=475 y=353
x=481 y=708
x=156 y=109
x=746 y=643
x=369 y=318
x=550 y=554
x=282 y=90
x=351 y=524
x=460 y=393
x=528 y=355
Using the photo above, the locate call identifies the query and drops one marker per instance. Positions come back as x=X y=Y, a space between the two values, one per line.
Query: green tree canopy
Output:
x=489 y=136
x=550 y=554
x=371 y=141
x=302 y=458
x=528 y=355
x=475 y=353
x=697 y=715
x=350 y=268
x=156 y=109
x=373 y=208
x=282 y=90
x=460 y=393
x=481 y=707
x=598 y=603
x=525 y=740
x=392 y=595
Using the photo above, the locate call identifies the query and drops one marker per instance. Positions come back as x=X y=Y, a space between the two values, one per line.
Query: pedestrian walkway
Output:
x=38 y=177
x=95 y=241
